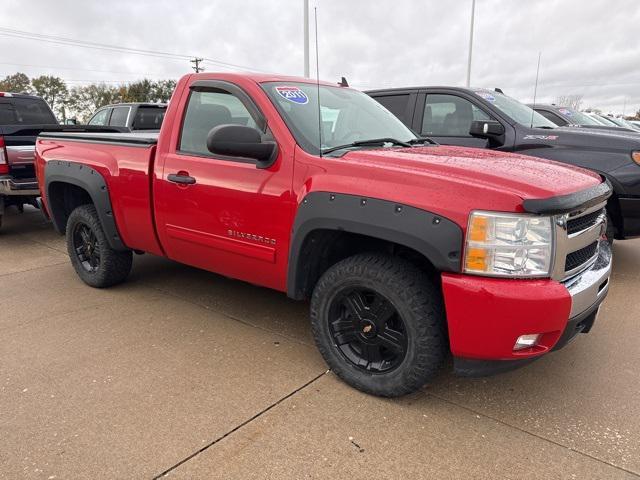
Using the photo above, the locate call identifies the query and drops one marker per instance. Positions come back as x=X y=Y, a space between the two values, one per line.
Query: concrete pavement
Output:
x=189 y=374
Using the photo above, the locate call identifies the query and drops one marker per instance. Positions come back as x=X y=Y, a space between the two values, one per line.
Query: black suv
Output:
x=486 y=118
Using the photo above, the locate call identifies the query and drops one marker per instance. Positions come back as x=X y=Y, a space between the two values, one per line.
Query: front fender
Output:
x=434 y=236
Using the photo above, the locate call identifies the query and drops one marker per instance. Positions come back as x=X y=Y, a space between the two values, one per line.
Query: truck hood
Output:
x=523 y=176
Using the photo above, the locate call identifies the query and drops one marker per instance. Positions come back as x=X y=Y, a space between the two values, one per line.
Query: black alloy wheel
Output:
x=368 y=330
x=85 y=245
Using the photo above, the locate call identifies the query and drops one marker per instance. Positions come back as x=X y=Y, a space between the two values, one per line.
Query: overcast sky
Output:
x=588 y=47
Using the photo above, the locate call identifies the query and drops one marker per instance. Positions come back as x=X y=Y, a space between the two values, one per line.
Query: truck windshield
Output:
x=347 y=115
x=577 y=118
x=25 y=111
x=515 y=110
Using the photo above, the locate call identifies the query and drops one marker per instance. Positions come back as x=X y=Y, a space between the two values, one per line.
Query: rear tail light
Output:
x=4 y=158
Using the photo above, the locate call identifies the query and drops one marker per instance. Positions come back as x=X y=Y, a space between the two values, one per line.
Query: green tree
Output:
x=17 y=83
x=162 y=90
x=84 y=101
x=141 y=91
x=54 y=91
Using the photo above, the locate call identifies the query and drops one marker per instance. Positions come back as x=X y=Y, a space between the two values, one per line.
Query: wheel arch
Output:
x=69 y=185
x=331 y=226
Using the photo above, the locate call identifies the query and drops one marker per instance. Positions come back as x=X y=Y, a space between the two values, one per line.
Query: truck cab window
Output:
x=450 y=116
x=208 y=109
x=553 y=117
x=119 y=116
x=100 y=118
x=396 y=104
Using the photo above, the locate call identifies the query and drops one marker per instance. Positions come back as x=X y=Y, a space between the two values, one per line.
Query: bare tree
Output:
x=569 y=101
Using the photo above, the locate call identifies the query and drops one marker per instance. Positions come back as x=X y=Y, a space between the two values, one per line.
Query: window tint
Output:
x=100 y=118
x=552 y=117
x=450 y=116
x=148 y=118
x=396 y=104
x=516 y=111
x=119 y=116
x=25 y=111
x=208 y=109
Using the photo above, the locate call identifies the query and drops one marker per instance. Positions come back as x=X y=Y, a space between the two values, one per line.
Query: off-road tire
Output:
x=417 y=301
x=114 y=266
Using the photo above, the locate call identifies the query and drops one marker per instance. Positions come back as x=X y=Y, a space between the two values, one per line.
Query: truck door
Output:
x=222 y=213
x=447 y=118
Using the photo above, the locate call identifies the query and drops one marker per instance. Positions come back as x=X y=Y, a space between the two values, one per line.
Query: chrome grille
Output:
x=577 y=224
x=580 y=257
x=577 y=239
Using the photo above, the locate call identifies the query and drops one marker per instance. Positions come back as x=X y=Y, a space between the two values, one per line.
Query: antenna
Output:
x=315 y=19
x=535 y=89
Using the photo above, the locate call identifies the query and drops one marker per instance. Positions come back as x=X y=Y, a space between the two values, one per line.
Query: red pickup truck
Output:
x=407 y=250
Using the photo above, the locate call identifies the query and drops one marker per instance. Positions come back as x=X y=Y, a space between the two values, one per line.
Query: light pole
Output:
x=473 y=11
x=306 y=38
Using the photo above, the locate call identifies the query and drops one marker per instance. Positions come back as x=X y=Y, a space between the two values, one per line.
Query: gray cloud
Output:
x=588 y=48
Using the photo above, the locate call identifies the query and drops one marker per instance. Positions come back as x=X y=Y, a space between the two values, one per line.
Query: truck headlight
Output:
x=511 y=245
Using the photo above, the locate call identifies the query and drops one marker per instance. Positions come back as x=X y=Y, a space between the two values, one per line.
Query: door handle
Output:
x=181 y=179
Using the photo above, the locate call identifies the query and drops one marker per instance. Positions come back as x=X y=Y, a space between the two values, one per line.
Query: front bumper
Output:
x=18 y=187
x=485 y=316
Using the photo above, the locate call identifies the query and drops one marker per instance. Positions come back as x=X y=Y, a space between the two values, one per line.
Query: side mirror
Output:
x=242 y=141
x=489 y=129
x=71 y=121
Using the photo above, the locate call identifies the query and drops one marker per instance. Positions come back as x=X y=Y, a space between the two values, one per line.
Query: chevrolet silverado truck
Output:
x=22 y=118
x=485 y=118
x=407 y=250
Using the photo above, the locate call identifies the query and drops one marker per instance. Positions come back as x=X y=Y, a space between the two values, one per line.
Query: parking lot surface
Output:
x=187 y=374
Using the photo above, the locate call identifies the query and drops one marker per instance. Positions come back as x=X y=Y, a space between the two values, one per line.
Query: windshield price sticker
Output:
x=293 y=94
x=487 y=96
x=564 y=111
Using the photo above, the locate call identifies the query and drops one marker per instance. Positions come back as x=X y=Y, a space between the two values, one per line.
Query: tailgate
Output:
x=20 y=155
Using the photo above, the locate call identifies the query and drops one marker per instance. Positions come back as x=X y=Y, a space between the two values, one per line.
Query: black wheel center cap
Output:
x=368 y=329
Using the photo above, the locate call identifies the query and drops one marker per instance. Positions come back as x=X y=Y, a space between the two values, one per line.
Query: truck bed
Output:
x=124 y=161
x=134 y=138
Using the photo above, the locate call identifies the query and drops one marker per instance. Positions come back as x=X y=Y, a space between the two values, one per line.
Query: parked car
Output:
x=621 y=122
x=635 y=122
x=382 y=230
x=22 y=118
x=601 y=120
x=489 y=119
x=135 y=116
x=568 y=117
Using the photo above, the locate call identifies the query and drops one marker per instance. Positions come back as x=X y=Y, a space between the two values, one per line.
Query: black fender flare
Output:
x=90 y=180
x=435 y=237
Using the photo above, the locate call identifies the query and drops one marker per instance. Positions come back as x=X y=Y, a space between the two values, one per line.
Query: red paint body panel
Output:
x=126 y=170
x=237 y=220
x=486 y=315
